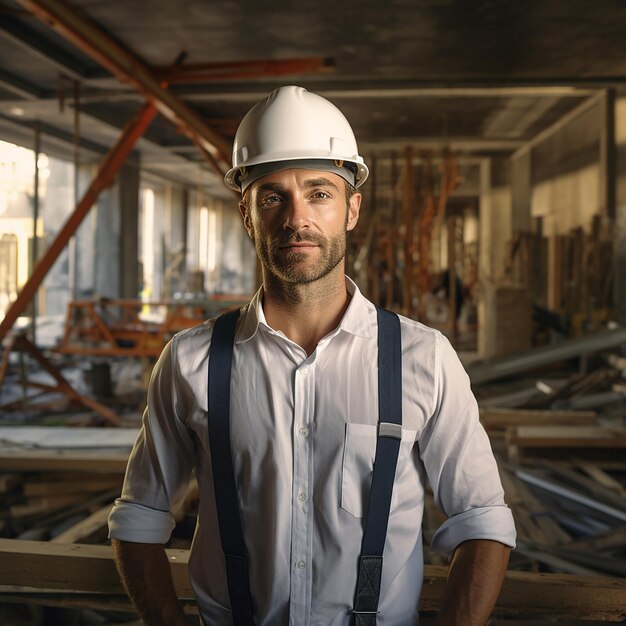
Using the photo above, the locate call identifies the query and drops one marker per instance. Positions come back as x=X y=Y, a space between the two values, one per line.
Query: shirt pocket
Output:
x=359 y=451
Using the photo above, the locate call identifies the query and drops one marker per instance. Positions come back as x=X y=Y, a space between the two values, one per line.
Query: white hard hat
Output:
x=293 y=124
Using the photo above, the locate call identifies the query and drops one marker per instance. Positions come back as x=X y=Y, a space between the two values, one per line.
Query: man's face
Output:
x=298 y=220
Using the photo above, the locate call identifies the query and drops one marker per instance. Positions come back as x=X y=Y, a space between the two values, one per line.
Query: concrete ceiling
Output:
x=483 y=77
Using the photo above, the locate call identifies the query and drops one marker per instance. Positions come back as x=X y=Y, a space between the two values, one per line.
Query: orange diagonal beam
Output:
x=92 y=40
x=103 y=179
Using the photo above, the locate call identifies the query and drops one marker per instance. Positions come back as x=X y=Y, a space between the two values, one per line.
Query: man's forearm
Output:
x=145 y=572
x=474 y=580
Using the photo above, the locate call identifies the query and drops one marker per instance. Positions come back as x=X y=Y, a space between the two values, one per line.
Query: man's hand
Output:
x=145 y=572
x=474 y=580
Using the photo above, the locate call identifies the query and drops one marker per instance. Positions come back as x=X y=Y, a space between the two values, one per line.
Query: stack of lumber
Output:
x=35 y=505
x=59 y=483
x=57 y=487
x=47 y=573
x=564 y=475
x=589 y=442
x=570 y=517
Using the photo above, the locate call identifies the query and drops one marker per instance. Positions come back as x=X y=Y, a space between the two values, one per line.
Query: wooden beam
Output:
x=67 y=487
x=566 y=437
x=496 y=418
x=44 y=565
x=87 y=528
x=63 y=460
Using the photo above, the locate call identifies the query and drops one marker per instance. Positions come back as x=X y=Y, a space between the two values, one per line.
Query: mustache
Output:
x=300 y=238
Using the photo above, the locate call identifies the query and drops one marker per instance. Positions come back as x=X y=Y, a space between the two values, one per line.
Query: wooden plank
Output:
x=76 y=567
x=550 y=529
x=583 y=484
x=63 y=460
x=8 y=482
x=37 y=506
x=607 y=541
x=86 y=528
x=66 y=487
x=65 y=437
x=96 y=602
x=568 y=436
x=524 y=520
x=550 y=441
x=500 y=418
x=601 y=477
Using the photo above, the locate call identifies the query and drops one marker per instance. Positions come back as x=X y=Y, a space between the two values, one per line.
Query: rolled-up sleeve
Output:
x=460 y=464
x=160 y=464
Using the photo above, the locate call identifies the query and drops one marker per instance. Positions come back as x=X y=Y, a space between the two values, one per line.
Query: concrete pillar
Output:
x=128 y=198
x=82 y=252
x=176 y=210
x=106 y=245
x=495 y=233
x=521 y=189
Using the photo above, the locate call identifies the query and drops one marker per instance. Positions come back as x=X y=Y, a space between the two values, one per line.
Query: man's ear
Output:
x=245 y=214
x=354 y=209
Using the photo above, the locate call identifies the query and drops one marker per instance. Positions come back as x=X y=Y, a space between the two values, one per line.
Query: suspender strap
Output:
x=231 y=534
x=387 y=447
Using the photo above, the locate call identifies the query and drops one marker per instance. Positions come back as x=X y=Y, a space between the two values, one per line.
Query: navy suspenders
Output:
x=387 y=447
x=231 y=534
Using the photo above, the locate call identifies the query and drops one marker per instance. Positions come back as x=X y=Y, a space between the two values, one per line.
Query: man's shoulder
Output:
x=414 y=331
x=194 y=339
x=198 y=338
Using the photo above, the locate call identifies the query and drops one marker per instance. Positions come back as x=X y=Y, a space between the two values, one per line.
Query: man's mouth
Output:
x=298 y=244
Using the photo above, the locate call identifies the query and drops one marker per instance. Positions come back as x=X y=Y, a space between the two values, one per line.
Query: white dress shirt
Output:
x=303 y=434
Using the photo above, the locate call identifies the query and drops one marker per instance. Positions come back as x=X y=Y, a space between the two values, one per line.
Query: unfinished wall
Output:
x=566 y=173
x=560 y=184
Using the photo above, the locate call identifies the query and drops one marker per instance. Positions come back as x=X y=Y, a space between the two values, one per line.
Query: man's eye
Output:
x=273 y=199
x=321 y=195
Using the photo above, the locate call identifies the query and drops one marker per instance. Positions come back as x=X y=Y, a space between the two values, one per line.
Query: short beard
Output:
x=288 y=267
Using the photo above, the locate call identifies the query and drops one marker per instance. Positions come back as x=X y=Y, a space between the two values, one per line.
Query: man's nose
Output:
x=297 y=214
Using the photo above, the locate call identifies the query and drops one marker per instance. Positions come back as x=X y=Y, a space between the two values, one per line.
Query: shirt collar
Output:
x=357 y=320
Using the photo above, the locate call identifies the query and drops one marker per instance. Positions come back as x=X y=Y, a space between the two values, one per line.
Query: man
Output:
x=304 y=420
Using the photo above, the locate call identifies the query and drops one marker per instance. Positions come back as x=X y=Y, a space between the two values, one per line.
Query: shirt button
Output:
x=302 y=497
x=300 y=564
x=304 y=431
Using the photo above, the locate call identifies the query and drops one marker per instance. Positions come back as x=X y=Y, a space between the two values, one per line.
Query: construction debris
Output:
x=563 y=470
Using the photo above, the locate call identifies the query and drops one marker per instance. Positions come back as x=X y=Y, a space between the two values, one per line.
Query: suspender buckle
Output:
x=389 y=429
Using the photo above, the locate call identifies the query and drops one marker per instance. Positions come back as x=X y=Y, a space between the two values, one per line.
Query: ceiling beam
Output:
x=34 y=44
x=19 y=87
x=383 y=89
x=62 y=140
x=589 y=103
x=128 y=68
x=456 y=144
